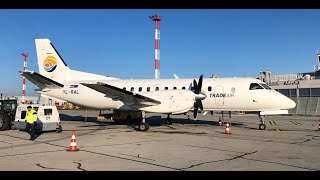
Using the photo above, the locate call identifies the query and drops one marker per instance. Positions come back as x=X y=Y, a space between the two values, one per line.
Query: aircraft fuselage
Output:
x=228 y=94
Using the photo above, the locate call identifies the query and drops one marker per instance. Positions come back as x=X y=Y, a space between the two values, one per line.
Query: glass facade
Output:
x=301 y=92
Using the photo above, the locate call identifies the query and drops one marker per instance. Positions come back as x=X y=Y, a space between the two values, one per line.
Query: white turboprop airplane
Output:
x=168 y=96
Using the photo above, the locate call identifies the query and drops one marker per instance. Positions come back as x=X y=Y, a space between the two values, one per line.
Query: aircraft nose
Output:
x=290 y=104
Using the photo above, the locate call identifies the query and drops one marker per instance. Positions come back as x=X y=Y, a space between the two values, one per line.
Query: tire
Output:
x=262 y=126
x=144 y=127
x=136 y=127
x=4 y=123
x=59 y=130
x=169 y=121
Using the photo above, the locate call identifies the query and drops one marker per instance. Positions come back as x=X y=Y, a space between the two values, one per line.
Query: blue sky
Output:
x=120 y=43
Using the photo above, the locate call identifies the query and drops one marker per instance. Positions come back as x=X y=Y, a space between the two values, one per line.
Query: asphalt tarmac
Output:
x=290 y=143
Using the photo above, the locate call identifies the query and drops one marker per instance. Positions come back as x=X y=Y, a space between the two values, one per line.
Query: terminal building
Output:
x=303 y=88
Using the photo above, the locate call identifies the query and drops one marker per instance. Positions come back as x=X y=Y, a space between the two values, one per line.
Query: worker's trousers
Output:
x=30 y=128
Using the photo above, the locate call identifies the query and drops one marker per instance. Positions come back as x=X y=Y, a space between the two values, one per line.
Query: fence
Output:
x=306 y=106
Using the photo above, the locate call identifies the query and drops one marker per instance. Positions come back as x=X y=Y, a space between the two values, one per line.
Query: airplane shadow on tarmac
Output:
x=152 y=120
x=64 y=117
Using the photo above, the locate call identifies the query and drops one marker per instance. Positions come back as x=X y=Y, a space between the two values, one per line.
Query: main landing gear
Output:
x=262 y=126
x=143 y=125
x=168 y=120
x=223 y=117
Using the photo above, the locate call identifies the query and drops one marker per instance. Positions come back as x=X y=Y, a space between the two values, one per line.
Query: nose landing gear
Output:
x=262 y=126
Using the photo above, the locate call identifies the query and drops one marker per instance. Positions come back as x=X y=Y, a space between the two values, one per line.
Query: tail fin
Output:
x=52 y=66
x=50 y=63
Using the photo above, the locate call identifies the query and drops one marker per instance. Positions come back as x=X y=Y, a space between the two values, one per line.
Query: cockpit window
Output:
x=265 y=86
x=254 y=86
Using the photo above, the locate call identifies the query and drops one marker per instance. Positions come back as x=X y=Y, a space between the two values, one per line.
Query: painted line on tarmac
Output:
x=273 y=124
x=295 y=122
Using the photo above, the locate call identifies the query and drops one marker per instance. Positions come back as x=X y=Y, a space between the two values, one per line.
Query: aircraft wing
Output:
x=41 y=81
x=121 y=94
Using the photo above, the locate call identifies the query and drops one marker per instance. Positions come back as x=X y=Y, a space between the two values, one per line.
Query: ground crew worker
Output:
x=31 y=125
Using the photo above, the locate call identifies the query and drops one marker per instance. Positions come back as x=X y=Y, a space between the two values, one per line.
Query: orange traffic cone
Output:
x=73 y=143
x=227 y=128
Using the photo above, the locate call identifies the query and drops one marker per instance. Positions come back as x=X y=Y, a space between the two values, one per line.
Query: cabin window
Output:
x=124 y=88
x=265 y=86
x=174 y=87
x=254 y=86
x=47 y=112
x=148 y=88
x=36 y=109
x=165 y=88
x=183 y=87
x=209 y=88
x=140 y=89
x=157 y=88
x=23 y=114
x=132 y=89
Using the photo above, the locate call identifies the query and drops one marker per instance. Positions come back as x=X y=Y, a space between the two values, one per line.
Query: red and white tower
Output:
x=24 y=79
x=157 y=20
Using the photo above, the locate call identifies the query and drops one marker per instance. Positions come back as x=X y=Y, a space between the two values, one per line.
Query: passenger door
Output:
x=219 y=98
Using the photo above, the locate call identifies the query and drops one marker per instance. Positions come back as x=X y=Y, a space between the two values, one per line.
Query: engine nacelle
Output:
x=172 y=101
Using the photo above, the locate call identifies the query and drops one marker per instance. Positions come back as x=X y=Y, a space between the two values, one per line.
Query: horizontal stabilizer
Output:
x=121 y=94
x=41 y=81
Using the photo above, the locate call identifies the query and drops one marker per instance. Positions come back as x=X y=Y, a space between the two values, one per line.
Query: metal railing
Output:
x=306 y=106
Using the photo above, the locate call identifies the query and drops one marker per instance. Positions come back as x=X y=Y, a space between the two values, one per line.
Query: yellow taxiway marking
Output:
x=274 y=126
x=295 y=122
x=277 y=129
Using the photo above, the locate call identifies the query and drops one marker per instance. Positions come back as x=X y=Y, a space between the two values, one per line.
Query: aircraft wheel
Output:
x=143 y=127
x=262 y=126
x=169 y=121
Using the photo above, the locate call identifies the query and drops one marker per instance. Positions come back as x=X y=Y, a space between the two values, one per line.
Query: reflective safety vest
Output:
x=31 y=116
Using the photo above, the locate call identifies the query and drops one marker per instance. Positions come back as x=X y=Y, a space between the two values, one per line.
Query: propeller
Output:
x=198 y=96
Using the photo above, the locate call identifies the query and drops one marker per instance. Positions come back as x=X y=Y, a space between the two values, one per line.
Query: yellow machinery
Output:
x=28 y=102
x=68 y=106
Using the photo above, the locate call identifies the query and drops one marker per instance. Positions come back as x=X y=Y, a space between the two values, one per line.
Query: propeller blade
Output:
x=196 y=88
x=200 y=83
x=190 y=87
x=195 y=113
x=200 y=104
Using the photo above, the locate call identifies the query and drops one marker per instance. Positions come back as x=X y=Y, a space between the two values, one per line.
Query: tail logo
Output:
x=50 y=64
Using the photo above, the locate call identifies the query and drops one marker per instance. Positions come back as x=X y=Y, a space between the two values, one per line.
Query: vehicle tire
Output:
x=262 y=126
x=13 y=127
x=4 y=123
x=59 y=130
x=143 y=127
